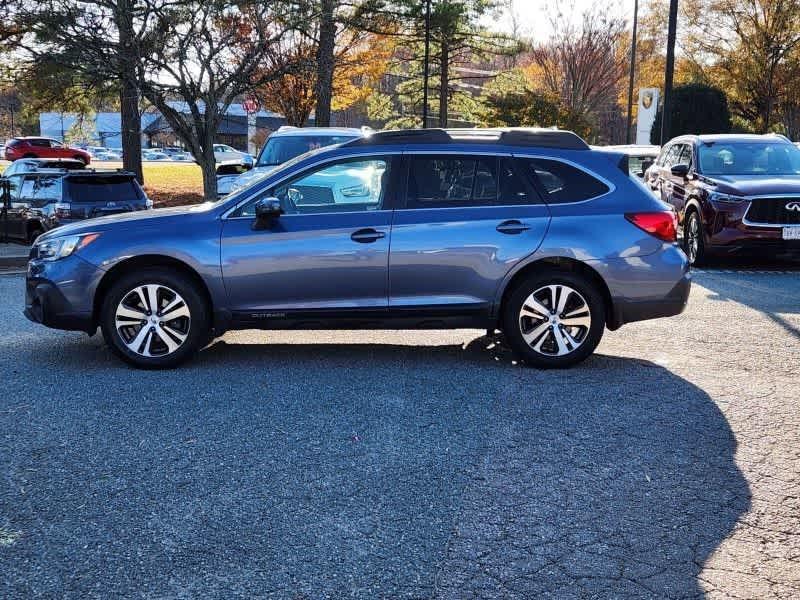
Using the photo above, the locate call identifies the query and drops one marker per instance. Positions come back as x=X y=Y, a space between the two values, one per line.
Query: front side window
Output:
x=561 y=183
x=685 y=157
x=452 y=181
x=351 y=185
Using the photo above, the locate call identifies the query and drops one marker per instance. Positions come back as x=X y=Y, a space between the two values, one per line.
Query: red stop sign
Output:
x=250 y=105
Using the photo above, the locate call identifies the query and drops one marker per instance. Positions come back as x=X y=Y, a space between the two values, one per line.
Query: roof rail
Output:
x=518 y=136
x=404 y=136
x=547 y=138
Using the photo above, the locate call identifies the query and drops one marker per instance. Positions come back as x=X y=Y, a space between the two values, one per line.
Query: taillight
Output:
x=663 y=225
x=62 y=210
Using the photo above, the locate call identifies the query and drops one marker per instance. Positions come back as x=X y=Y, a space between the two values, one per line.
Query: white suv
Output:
x=285 y=144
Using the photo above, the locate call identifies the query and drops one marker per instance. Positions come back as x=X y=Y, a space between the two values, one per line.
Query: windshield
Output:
x=278 y=150
x=749 y=158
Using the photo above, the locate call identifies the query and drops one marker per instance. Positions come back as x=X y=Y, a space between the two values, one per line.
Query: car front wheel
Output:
x=693 y=243
x=155 y=318
x=554 y=319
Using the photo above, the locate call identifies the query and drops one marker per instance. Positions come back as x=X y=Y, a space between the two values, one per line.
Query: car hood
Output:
x=144 y=218
x=756 y=185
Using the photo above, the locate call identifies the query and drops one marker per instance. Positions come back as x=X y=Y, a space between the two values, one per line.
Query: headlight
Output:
x=717 y=197
x=61 y=247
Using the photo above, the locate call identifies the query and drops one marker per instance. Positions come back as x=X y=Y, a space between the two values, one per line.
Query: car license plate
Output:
x=791 y=233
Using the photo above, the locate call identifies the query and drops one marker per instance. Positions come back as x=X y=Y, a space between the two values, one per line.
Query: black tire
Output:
x=693 y=243
x=33 y=233
x=199 y=328
x=589 y=337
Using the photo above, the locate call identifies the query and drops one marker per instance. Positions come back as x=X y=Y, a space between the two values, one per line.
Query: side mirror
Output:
x=680 y=170
x=267 y=210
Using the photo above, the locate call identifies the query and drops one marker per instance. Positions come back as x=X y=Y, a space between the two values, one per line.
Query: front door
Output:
x=466 y=221
x=328 y=251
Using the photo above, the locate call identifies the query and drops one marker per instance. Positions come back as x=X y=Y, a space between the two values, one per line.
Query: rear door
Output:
x=466 y=220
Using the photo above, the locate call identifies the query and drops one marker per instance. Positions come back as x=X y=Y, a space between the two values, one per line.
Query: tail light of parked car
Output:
x=663 y=225
x=62 y=210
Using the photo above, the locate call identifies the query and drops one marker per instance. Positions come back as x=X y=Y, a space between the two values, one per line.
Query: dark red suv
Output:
x=40 y=147
x=732 y=193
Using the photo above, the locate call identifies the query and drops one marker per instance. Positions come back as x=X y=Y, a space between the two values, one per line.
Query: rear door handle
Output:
x=512 y=227
x=367 y=236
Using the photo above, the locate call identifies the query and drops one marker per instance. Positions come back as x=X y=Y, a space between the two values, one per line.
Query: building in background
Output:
x=156 y=132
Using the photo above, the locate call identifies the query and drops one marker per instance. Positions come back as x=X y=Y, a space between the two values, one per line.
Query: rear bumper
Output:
x=646 y=287
x=674 y=303
x=46 y=305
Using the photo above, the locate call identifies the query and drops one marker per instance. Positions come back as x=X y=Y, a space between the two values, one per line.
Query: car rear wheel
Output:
x=693 y=243
x=554 y=319
x=155 y=319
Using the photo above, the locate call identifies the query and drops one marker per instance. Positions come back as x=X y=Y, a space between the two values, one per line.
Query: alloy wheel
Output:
x=555 y=320
x=152 y=320
x=693 y=238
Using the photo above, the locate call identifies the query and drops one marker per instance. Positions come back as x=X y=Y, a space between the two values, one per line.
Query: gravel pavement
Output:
x=410 y=464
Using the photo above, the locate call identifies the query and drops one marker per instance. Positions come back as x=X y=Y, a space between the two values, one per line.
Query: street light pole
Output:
x=426 y=64
x=666 y=110
x=633 y=71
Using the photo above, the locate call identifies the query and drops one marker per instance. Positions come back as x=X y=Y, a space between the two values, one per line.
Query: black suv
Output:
x=46 y=198
x=732 y=193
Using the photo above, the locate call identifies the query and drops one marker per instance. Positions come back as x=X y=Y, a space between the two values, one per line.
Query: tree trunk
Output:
x=208 y=163
x=444 y=61
x=131 y=127
x=130 y=119
x=325 y=63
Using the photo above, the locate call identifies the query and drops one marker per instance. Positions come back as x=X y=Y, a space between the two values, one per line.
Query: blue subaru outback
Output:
x=525 y=230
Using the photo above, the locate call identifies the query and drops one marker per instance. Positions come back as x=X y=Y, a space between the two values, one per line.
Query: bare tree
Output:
x=205 y=55
x=581 y=64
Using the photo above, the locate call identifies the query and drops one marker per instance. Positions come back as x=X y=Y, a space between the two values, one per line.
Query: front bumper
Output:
x=60 y=294
x=46 y=305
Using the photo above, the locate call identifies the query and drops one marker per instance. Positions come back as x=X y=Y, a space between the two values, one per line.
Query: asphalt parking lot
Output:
x=411 y=465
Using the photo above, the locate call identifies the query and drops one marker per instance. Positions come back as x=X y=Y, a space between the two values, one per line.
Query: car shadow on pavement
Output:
x=363 y=470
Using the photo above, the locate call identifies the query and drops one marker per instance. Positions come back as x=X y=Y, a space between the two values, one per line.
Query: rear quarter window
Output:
x=562 y=183
x=103 y=189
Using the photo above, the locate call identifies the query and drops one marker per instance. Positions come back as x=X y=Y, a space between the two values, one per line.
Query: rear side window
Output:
x=103 y=189
x=40 y=143
x=450 y=181
x=561 y=183
x=41 y=189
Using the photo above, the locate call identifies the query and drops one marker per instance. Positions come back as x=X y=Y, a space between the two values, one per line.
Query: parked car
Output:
x=227 y=174
x=104 y=154
x=40 y=147
x=48 y=198
x=225 y=154
x=290 y=142
x=29 y=165
x=524 y=230
x=640 y=157
x=153 y=154
x=733 y=193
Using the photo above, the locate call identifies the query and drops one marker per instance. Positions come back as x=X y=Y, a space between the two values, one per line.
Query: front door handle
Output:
x=367 y=236
x=512 y=227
